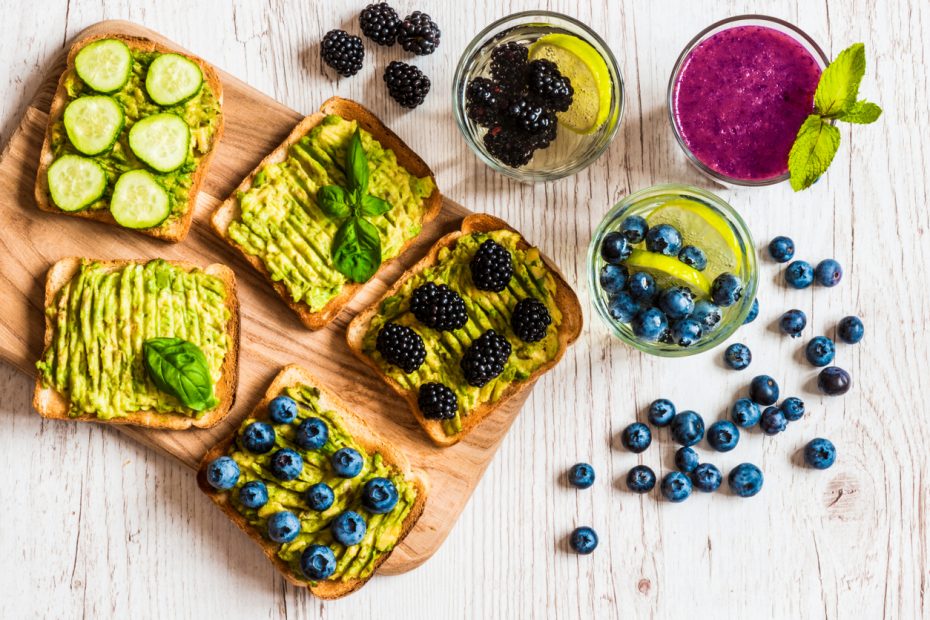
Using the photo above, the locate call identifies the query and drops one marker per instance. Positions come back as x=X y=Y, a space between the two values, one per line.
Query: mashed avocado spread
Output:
x=383 y=530
x=283 y=226
x=486 y=310
x=102 y=317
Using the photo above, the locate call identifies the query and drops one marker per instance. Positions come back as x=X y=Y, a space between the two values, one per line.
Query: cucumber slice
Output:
x=75 y=182
x=93 y=123
x=139 y=201
x=104 y=65
x=161 y=140
x=173 y=78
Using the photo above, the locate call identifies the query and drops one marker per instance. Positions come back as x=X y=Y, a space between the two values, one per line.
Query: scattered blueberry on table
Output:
x=834 y=381
x=763 y=390
x=792 y=323
x=641 y=479
x=820 y=351
x=820 y=453
x=583 y=540
x=793 y=408
x=745 y=413
x=723 y=435
x=781 y=249
x=636 y=437
x=828 y=272
x=745 y=480
x=661 y=411
x=687 y=428
x=581 y=475
x=737 y=356
x=706 y=477
x=676 y=486
x=773 y=421
x=686 y=459
x=799 y=274
x=850 y=329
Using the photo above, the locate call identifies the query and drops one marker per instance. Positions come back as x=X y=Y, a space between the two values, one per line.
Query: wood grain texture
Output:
x=96 y=525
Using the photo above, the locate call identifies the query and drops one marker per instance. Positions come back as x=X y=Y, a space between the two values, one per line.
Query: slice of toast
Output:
x=295 y=375
x=52 y=404
x=229 y=211
x=173 y=229
x=568 y=330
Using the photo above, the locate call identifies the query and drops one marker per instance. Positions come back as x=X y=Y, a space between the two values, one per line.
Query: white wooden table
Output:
x=94 y=525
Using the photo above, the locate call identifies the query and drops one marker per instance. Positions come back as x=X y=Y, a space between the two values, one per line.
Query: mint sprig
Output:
x=836 y=99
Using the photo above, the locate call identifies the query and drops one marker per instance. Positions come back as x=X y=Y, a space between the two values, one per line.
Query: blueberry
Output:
x=773 y=421
x=820 y=351
x=792 y=323
x=693 y=257
x=828 y=272
x=663 y=239
x=753 y=312
x=686 y=460
x=793 y=408
x=379 y=495
x=708 y=314
x=781 y=249
x=649 y=324
x=763 y=390
x=833 y=381
x=348 y=528
x=726 y=290
x=613 y=278
x=642 y=287
x=799 y=274
x=636 y=437
x=820 y=453
x=615 y=248
x=258 y=437
x=687 y=428
x=286 y=464
x=311 y=434
x=661 y=412
x=318 y=562
x=745 y=413
x=253 y=494
x=346 y=462
x=676 y=487
x=622 y=307
x=320 y=496
x=223 y=473
x=634 y=228
x=723 y=435
x=641 y=479
x=745 y=479
x=737 y=356
x=581 y=475
x=583 y=540
x=686 y=332
x=706 y=477
x=850 y=329
x=676 y=302
x=282 y=410
x=283 y=526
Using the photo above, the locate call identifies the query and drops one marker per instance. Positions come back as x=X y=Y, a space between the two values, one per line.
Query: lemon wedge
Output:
x=668 y=271
x=704 y=228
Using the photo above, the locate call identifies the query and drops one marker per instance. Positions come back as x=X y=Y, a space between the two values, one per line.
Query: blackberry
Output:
x=485 y=358
x=437 y=402
x=418 y=33
x=406 y=84
x=401 y=346
x=511 y=148
x=548 y=86
x=438 y=307
x=484 y=101
x=508 y=63
x=530 y=320
x=491 y=267
x=531 y=118
x=379 y=23
x=343 y=52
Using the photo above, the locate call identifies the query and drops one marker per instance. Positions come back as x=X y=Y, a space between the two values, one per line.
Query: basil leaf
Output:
x=372 y=206
x=357 y=165
x=357 y=249
x=179 y=368
x=333 y=201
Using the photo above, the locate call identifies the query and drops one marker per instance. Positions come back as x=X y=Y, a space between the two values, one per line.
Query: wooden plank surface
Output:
x=96 y=525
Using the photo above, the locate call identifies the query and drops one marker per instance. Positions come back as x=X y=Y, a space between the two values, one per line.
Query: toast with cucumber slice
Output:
x=131 y=131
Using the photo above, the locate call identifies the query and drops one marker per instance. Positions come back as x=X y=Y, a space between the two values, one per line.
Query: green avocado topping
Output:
x=486 y=310
x=102 y=317
x=282 y=224
x=383 y=530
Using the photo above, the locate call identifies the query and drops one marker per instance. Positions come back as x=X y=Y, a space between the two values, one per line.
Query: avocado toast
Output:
x=271 y=431
x=520 y=362
x=112 y=153
x=99 y=317
x=274 y=218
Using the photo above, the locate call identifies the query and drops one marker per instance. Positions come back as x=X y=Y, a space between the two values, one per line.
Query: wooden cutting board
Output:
x=271 y=334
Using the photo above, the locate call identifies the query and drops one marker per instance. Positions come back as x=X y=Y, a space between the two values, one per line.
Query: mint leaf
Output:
x=357 y=249
x=372 y=206
x=357 y=165
x=862 y=112
x=333 y=201
x=812 y=152
x=838 y=88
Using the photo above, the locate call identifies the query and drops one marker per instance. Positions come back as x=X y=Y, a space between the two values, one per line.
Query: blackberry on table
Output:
x=548 y=87
x=508 y=62
x=491 y=267
x=438 y=307
x=343 y=52
x=437 y=401
x=379 y=23
x=531 y=118
x=485 y=358
x=401 y=346
x=530 y=320
x=418 y=33
x=511 y=148
x=406 y=84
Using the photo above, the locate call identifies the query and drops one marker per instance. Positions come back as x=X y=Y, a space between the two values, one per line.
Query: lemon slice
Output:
x=585 y=67
x=668 y=271
x=702 y=227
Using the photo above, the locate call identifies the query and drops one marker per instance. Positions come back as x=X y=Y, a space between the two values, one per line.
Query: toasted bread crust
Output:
x=229 y=210
x=50 y=403
x=295 y=375
x=174 y=230
x=568 y=330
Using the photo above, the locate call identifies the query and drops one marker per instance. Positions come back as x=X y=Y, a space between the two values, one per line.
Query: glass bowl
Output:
x=740 y=20
x=643 y=203
x=570 y=152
